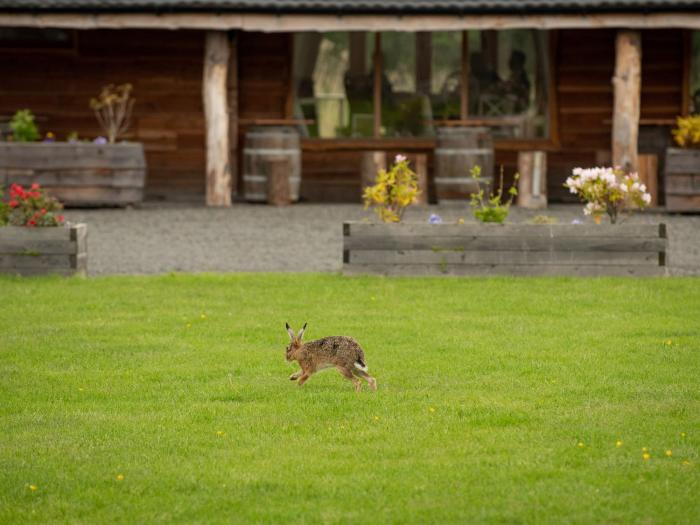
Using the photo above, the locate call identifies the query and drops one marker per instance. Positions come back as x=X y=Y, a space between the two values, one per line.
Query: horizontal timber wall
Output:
x=493 y=249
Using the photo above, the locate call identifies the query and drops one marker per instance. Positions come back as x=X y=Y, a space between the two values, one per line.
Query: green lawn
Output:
x=499 y=401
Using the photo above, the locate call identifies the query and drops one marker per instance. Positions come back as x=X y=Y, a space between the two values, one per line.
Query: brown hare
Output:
x=344 y=353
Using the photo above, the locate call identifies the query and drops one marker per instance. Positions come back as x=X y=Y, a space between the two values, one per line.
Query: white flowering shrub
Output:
x=607 y=191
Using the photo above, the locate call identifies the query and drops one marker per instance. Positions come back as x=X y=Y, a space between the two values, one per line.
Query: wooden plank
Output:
x=29 y=272
x=362 y=229
x=627 y=85
x=688 y=203
x=37 y=247
x=451 y=243
x=214 y=94
x=681 y=160
x=70 y=156
x=649 y=175
x=46 y=262
x=19 y=233
x=485 y=270
x=74 y=177
x=96 y=195
x=502 y=257
x=683 y=184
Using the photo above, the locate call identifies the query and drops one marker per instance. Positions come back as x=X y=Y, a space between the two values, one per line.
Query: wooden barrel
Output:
x=457 y=150
x=265 y=148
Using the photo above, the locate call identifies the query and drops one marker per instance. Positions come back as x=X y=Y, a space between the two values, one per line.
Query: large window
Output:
x=418 y=79
x=695 y=73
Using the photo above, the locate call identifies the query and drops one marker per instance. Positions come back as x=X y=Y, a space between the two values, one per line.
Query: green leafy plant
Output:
x=32 y=207
x=544 y=219
x=491 y=208
x=4 y=210
x=23 y=127
x=393 y=192
x=687 y=131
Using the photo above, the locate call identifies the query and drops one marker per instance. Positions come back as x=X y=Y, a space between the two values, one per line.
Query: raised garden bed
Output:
x=504 y=249
x=35 y=251
x=682 y=180
x=80 y=174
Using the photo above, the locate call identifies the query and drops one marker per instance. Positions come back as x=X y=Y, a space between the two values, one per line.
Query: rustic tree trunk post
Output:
x=419 y=163
x=233 y=110
x=214 y=91
x=372 y=162
x=627 y=86
x=532 y=185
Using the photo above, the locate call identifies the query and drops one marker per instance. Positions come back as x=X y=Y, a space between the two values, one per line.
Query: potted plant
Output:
x=105 y=171
x=34 y=237
x=490 y=246
x=682 y=170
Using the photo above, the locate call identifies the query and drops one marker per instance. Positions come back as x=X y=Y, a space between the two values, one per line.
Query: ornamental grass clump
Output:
x=113 y=110
x=607 y=191
x=393 y=191
x=491 y=208
x=32 y=207
x=687 y=131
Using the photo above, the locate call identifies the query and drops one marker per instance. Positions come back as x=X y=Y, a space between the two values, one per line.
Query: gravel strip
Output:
x=157 y=238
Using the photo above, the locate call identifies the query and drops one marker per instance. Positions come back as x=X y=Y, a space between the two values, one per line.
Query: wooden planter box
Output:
x=36 y=251
x=80 y=174
x=510 y=249
x=682 y=179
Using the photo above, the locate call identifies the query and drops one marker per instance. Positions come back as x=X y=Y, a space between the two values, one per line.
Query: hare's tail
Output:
x=360 y=365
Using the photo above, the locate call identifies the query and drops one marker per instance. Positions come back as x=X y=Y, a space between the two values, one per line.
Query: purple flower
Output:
x=100 y=140
x=435 y=219
x=576 y=221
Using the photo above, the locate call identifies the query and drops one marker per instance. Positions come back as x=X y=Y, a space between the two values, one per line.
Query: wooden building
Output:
x=578 y=79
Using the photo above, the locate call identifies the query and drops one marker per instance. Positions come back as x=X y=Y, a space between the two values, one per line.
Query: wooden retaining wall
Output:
x=77 y=174
x=511 y=249
x=60 y=250
x=682 y=180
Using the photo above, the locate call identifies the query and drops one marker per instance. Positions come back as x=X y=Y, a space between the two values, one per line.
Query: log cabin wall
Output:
x=165 y=69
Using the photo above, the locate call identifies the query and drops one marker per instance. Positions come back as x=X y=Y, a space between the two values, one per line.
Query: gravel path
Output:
x=160 y=238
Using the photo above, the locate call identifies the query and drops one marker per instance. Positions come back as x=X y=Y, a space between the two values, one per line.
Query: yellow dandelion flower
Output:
x=646 y=456
x=376 y=418
x=120 y=477
x=686 y=463
x=669 y=453
x=220 y=433
x=80 y=389
x=431 y=409
x=682 y=434
x=645 y=449
x=580 y=444
x=33 y=487
x=189 y=325
x=203 y=316
x=618 y=443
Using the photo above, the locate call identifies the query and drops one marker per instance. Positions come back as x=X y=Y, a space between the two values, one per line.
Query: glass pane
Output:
x=695 y=74
x=508 y=81
x=333 y=84
x=420 y=81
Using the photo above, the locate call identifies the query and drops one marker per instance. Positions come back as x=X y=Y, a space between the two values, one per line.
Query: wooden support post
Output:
x=419 y=163
x=627 y=87
x=372 y=162
x=649 y=175
x=216 y=118
x=233 y=110
x=532 y=186
x=464 y=78
x=424 y=62
x=377 y=127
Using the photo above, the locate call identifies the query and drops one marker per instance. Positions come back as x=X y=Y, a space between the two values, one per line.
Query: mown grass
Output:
x=486 y=389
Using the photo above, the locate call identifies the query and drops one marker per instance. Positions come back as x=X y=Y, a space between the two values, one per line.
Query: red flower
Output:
x=59 y=218
x=43 y=211
x=34 y=194
x=32 y=222
x=13 y=203
x=35 y=186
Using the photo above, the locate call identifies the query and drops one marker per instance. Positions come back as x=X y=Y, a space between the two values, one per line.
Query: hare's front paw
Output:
x=295 y=376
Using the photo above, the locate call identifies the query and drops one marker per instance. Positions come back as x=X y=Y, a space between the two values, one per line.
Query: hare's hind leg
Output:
x=348 y=375
x=364 y=375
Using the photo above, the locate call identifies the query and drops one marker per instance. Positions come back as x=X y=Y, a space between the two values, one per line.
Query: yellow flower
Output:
x=686 y=463
x=220 y=433
x=646 y=456
x=203 y=316
x=120 y=477
x=618 y=443
x=669 y=453
x=189 y=325
x=33 y=487
x=644 y=449
x=431 y=409
x=580 y=444
x=376 y=418
x=682 y=434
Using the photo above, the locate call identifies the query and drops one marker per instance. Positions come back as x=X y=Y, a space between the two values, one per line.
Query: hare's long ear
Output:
x=301 y=332
x=289 y=331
